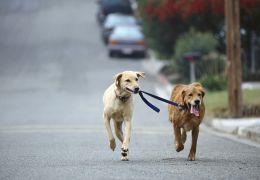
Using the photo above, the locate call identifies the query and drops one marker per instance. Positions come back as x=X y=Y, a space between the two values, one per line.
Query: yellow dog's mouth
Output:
x=194 y=109
x=135 y=91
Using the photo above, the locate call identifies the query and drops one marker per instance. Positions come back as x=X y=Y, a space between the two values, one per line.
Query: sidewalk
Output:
x=245 y=127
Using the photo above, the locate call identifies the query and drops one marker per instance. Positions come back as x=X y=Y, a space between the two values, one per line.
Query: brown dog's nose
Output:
x=197 y=102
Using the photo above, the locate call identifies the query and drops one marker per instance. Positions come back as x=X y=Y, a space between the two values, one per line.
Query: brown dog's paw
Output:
x=112 y=144
x=179 y=147
x=191 y=157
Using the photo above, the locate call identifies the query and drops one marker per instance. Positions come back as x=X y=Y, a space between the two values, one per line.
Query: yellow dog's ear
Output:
x=140 y=74
x=117 y=79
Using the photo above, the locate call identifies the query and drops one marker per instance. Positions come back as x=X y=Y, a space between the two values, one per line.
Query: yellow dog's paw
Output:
x=124 y=152
x=112 y=144
x=124 y=158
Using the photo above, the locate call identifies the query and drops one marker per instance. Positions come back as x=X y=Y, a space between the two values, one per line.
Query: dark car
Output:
x=114 y=20
x=107 y=7
x=127 y=40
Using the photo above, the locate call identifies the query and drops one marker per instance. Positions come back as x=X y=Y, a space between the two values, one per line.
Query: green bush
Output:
x=214 y=82
x=193 y=41
x=212 y=63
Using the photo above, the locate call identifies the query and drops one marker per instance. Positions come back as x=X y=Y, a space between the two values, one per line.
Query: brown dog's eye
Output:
x=190 y=95
x=199 y=94
x=128 y=80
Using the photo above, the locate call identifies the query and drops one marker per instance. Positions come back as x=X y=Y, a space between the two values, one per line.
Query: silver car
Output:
x=127 y=40
x=114 y=20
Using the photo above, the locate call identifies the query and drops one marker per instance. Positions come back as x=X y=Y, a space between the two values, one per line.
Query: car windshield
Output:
x=126 y=31
x=120 y=19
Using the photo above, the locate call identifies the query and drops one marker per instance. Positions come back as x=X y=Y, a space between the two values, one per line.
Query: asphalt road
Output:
x=53 y=72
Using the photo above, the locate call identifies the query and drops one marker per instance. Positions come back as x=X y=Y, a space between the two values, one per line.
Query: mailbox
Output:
x=192 y=56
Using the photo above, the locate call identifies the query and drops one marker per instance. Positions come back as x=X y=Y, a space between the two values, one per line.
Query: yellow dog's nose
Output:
x=136 y=90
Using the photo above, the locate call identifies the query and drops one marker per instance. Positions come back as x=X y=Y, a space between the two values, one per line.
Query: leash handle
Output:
x=158 y=98
x=156 y=109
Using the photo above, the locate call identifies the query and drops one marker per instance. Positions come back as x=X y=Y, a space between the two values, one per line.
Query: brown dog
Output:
x=189 y=118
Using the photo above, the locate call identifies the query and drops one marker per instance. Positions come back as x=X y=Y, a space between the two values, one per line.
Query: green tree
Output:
x=165 y=20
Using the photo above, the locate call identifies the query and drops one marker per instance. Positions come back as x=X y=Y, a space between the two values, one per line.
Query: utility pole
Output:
x=232 y=17
x=253 y=39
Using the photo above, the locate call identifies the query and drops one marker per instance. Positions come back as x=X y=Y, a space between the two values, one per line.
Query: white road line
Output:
x=75 y=129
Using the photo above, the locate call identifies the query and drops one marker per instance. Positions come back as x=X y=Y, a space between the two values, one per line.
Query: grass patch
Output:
x=251 y=97
x=217 y=102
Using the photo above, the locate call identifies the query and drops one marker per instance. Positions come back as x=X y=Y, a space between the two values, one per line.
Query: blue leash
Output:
x=156 y=109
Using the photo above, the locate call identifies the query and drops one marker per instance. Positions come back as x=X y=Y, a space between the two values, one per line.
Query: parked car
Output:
x=107 y=7
x=114 y=20
x=127 y=40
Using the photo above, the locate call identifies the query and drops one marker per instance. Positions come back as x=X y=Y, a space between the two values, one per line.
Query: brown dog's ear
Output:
x=140 y=74
x=117 y=79
x=202 y=92
x=183 y=93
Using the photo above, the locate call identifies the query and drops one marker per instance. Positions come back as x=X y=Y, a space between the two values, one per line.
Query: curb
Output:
x=252 y=133
x=245 y=128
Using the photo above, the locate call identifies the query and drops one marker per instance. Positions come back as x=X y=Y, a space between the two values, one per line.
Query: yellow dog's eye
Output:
x=199 y=94
x=128 y=80
x=136 y=79
x=190 y=95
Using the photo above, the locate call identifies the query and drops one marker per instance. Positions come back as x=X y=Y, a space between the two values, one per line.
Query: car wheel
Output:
x=105 y=40
x=143 y=54
x=111 y=54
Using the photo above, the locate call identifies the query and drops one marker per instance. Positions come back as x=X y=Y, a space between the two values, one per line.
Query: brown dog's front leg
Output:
x=195 y=133
x=178 y=141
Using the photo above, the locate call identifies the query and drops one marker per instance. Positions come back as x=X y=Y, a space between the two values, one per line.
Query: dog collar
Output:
x=122 y=98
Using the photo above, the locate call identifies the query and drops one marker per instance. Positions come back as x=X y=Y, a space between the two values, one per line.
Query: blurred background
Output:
x=54 y=54
x=54 y=65
x=57 y=57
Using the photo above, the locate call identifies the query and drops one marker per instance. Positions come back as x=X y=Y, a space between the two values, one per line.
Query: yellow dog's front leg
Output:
x=126 y=141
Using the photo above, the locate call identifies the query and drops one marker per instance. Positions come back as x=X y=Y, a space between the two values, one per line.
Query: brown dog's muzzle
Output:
x=195 y=109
